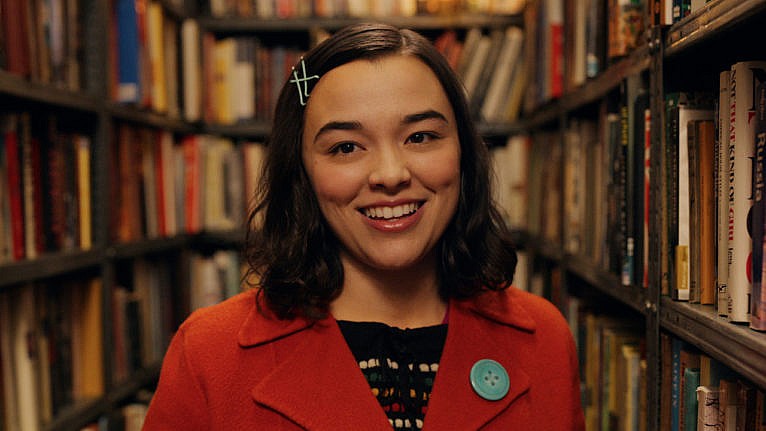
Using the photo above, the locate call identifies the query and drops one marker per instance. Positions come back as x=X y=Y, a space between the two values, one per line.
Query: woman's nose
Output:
x=390 y=170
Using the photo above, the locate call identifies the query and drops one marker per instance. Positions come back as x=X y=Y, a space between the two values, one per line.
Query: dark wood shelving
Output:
x=736 y=345
x=240 y=25
x=133 y=114
x=19 y=87
x=606 y=282
x=243 y=130
x=146 y=246
x=48 y=266
x=589 y=92
x=709 y=22
x=73 y=417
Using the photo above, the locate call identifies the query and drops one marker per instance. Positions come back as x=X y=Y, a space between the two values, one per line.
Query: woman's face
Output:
x=381 y=149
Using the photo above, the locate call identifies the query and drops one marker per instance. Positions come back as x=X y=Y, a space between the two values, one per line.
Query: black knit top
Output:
x=399 y=364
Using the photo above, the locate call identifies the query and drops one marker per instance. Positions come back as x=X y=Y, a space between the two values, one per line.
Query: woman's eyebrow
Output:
x=338 y=125
x=425 y=115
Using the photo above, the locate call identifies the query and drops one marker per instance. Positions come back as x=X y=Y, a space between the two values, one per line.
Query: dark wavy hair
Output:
x=293 y=254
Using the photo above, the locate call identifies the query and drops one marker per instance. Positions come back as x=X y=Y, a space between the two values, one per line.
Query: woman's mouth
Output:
x=391 y=212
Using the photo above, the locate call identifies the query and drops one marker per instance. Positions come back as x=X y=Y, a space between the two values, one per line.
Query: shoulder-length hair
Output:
x=292 y=252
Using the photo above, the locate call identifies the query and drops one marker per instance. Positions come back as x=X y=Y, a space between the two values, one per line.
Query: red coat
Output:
x=231 y=368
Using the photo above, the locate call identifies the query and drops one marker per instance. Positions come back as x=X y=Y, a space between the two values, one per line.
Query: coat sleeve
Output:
x=179 y=402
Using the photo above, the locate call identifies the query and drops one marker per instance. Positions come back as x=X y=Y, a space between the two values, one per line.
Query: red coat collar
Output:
x=336 y=397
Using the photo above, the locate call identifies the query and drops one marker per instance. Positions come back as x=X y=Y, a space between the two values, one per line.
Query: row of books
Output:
x=45 y=187
x=698 y=393
x=579 y=37
x=42 y=40
x=714 y=207
x=668 y=12
x=146 y=310
x=613 y=368
x=144 y=314
x=241 y=78
x=709 y=200
x=490 y=64
x=285 y=9
x=51 y=350
x=165 y=185
x=51 y=333
x=237 y=78
x=143 y=56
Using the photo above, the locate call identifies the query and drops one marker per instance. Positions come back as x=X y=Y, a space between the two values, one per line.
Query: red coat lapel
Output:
x=319 y=385
x=469 y=339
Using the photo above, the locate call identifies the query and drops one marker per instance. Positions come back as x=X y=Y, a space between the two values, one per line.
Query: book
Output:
x=574 y=189
x=681 y=109
x=243 y=79
x=25 y=358
x=722 y=194
x=625 y=26
x=729 y=404
x=82 y=149
x=91 y=364
x=595 y=39
x=14 y=26
x=701 y=144
x=708 y=407
x=14 y=181
x=129 y=72
x=502 y=74
x=170 y=49
x=191 y=67
x=688 y=398
x=155 y=48
x=741 y=150
x=758 y=295
x=192 y=158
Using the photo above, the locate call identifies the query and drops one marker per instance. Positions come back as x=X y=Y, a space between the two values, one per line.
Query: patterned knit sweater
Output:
x=399 y=364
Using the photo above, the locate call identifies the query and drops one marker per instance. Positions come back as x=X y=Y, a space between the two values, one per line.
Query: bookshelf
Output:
x=685 y=56
x=119 y=265
x=670 y=58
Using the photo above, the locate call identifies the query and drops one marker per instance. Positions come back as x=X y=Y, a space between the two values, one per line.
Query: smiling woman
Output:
x=384 y=296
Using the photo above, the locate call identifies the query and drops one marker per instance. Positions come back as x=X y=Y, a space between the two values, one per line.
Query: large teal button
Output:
x=489 y=379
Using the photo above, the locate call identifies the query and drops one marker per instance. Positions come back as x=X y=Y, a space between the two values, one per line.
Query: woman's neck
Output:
x=407 y=298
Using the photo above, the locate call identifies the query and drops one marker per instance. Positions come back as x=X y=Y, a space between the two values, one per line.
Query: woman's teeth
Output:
x=391 y=212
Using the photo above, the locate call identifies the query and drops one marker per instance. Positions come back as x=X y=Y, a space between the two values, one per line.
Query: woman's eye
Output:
x=420 y=137
x=345 y=148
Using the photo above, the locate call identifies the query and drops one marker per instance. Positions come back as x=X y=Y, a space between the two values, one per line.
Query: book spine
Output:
x=741 y=148
x=128 y=82
x=708 y=418
x=757 y=297
x=693 y=205
x=722 y=151
x=706 y=267
x=82 y=154
x=13 y=161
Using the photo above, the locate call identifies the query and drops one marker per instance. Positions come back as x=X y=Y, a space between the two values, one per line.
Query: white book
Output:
x=741 y=149
x=708 y=418
x=722 y=196
x=243 y=95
